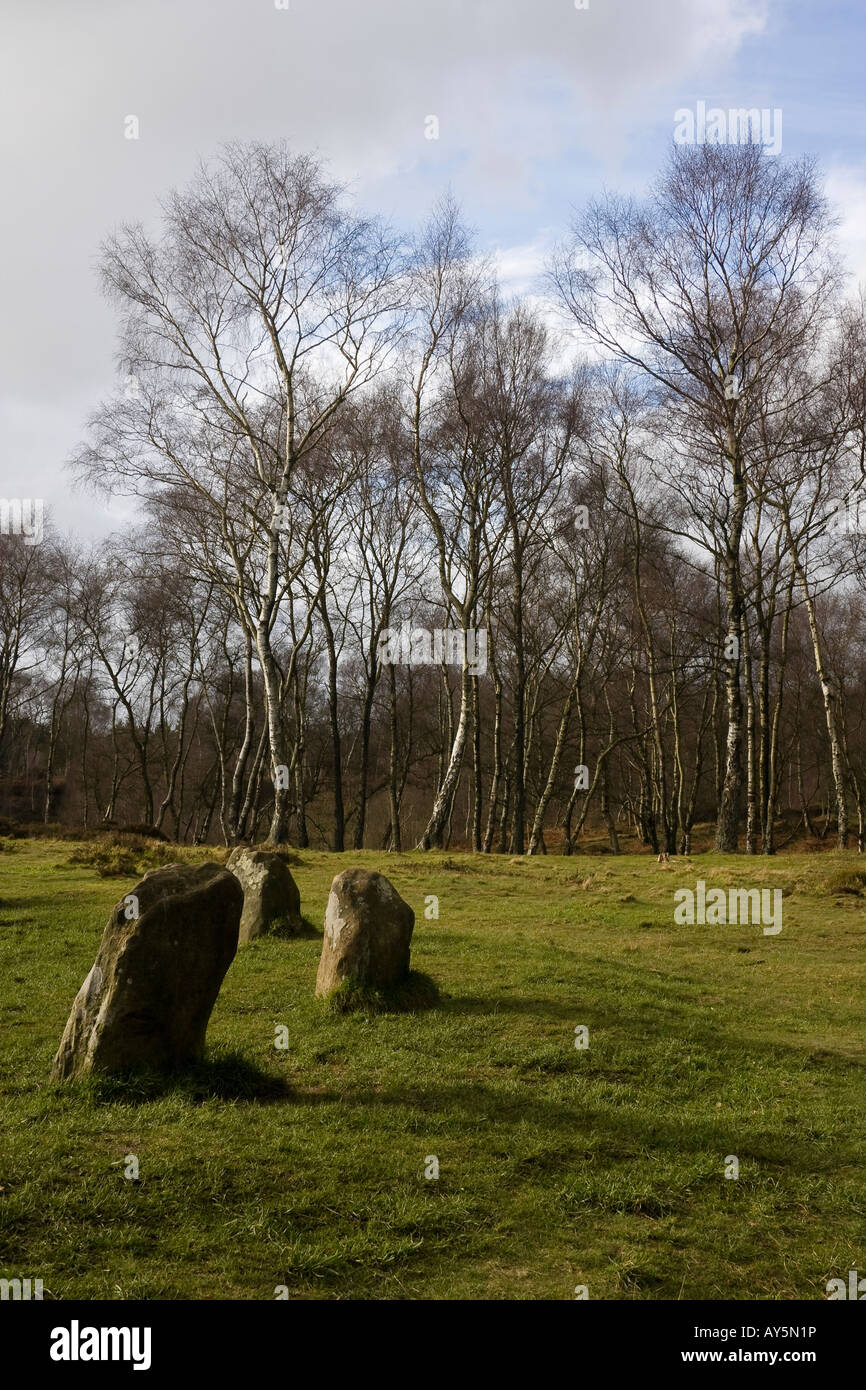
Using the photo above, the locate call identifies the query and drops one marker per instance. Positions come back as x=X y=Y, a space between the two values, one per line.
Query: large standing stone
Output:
x=368 y=930
x=163 y=955
x=271 y=899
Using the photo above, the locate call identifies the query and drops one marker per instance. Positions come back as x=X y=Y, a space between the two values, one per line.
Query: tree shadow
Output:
x=228 y=1076
x=543 y=1008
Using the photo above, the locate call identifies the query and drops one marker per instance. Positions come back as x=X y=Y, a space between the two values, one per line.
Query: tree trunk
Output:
x=435 y=827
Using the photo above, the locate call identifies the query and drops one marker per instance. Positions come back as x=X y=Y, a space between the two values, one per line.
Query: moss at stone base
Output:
x=413 y=995
x=290 y=926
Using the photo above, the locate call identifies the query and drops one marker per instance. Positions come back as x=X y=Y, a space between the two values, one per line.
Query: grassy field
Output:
x=558 y=1166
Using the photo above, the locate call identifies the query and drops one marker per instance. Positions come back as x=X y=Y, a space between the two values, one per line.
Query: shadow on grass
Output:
x=502 y=1003
x=287 y=932
x=626 y=1132
x=225 y=1076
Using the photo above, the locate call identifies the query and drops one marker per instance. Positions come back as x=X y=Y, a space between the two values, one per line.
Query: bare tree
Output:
x=265 y=303
x=706 y=288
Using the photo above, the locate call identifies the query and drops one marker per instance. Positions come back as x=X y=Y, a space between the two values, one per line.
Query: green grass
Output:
x=413 y=994
x=558 y=1166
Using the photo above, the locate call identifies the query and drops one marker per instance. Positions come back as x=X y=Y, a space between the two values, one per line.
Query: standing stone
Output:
x=368 y=930
x=272 y=902
x=163 y=956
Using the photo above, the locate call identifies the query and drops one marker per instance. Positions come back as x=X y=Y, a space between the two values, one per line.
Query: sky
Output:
x=538 y=105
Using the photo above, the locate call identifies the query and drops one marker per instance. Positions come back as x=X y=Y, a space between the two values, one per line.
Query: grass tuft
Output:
x=850 y=881
x=413 y=995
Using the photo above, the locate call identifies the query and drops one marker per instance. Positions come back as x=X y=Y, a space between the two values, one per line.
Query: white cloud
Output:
x=846 y=190
x=520 y=268
x=517 y=85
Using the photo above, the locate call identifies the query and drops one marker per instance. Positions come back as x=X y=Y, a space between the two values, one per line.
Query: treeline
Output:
x=626 y=507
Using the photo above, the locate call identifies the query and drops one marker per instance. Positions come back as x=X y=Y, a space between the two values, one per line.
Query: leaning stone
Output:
x=368 y=931
x=163 y=956
x=272 y=902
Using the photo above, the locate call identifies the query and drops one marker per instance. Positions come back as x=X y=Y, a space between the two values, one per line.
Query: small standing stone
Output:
x=368 y=931
x=271 y=899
